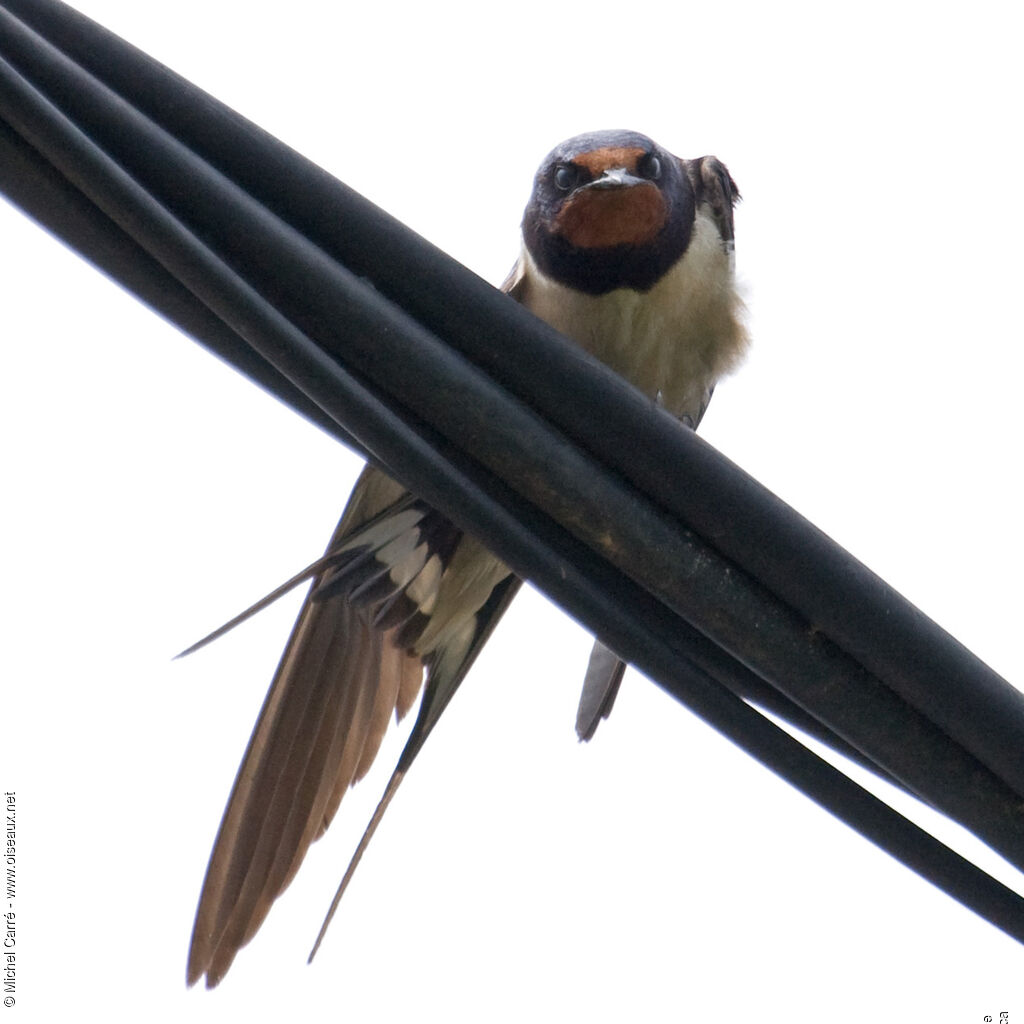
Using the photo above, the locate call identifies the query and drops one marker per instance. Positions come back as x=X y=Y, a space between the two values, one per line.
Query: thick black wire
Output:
x=313 y=374
x=34 y=184
x=363 y=329
x=794 y=560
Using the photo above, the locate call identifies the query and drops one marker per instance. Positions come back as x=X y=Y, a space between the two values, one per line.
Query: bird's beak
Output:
x=616 y=177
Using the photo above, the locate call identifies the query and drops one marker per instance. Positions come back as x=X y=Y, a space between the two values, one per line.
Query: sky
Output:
x=657 y=873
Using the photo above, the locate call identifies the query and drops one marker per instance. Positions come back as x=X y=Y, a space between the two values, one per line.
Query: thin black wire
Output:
x=33 y=184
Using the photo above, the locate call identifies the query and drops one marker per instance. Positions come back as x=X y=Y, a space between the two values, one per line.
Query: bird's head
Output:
x=608 y=210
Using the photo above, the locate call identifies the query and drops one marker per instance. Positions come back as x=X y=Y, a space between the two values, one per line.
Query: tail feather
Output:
x=446 y=669
x=600 y=687
x=396 y=594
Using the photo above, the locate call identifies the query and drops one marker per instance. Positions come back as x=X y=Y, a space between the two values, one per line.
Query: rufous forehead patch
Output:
x=598 y=218
x=597 y=161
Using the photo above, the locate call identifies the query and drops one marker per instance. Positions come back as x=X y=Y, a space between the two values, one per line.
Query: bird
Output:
x=628 y=251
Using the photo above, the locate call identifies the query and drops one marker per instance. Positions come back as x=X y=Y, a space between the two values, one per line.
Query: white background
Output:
x=658 y=873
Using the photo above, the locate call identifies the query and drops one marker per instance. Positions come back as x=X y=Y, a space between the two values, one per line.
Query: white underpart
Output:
x=461 y=592
x=423 y=589
x=672 y=342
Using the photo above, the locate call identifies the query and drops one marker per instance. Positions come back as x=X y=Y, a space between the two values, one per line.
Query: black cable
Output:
x=830 y=589
x=454 y=476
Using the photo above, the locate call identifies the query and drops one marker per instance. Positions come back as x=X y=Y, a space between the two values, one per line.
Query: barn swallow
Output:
x=628 y=251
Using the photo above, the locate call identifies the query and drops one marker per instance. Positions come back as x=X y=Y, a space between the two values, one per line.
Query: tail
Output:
x=403 y=590
x=600 y=687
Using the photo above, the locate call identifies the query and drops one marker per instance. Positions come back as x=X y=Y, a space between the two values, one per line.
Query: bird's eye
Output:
x=650 y=167
x=565 y=177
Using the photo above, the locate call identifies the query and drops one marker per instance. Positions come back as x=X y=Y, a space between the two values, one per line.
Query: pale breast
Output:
x=674 y=340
